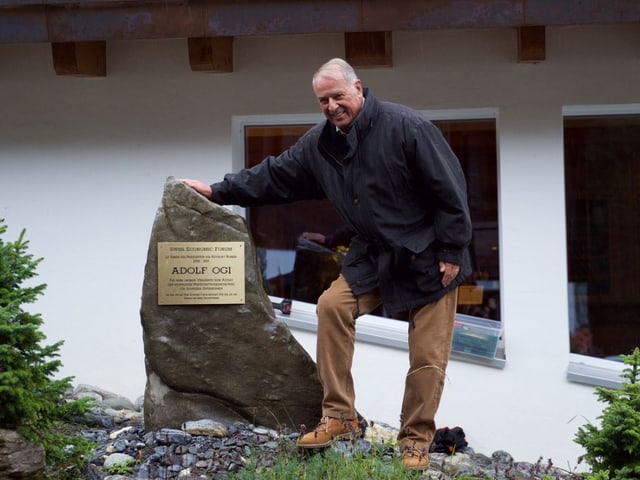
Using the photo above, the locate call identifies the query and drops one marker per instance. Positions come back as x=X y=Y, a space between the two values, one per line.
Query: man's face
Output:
x=340 y=101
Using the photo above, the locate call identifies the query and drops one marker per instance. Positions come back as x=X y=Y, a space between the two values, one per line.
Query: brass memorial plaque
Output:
x=200 y=273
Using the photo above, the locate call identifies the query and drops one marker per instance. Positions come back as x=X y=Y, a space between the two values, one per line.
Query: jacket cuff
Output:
x=450 y=256
x=216 y=196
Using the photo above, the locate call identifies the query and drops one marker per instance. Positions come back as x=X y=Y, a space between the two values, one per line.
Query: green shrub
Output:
x=613 y=448
x=31 y=400
x=381 y=463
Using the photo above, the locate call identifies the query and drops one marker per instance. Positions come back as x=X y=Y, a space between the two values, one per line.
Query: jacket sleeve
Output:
x=439 y=170
x=339 y=237
x=275 y=180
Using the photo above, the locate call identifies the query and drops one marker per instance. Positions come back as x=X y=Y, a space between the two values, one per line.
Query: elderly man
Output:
x=398 y=186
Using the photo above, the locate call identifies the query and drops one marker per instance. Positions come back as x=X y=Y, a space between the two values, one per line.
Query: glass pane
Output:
x=474 y=143
x=277 y=229
x=602 y=178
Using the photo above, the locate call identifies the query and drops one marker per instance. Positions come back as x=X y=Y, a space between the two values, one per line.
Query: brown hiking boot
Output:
x=414 y=459
x=328 y=431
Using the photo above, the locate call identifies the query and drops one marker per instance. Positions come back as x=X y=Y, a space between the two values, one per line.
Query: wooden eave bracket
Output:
x=531 y=44
x=368 y=49
x=211 y=54
x=81 y=59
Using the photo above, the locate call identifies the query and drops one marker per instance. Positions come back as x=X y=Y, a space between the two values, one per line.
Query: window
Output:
x=474 y=143
x=277 y=229
x=602 y=187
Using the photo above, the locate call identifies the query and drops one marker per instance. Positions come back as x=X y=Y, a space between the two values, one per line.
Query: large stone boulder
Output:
x=229 y=362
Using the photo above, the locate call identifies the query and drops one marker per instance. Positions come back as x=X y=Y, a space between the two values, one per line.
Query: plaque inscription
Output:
x=200 y=273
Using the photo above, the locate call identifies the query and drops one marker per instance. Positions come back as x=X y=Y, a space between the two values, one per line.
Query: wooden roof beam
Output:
x=81 y=59
x=211 y=54
x=531 y=44
x=368 y=49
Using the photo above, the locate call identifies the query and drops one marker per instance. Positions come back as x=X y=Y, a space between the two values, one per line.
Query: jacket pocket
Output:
x=419 y=241
x=359 y=268
x=425 y=269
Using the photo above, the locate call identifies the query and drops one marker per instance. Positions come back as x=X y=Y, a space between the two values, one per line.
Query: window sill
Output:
x=594 y=371
x=375 y=330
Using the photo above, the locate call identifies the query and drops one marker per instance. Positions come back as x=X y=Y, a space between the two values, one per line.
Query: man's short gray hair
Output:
x=336 y=65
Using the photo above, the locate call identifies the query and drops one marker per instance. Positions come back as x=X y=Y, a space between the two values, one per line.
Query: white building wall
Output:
x=83 y=163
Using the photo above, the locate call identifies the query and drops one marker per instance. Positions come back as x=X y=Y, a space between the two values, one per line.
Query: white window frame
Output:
x=584 y=368
x=371 y=329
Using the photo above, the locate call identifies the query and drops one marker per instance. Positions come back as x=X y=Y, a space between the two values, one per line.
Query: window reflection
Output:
x=299 y=269
x=602 y=180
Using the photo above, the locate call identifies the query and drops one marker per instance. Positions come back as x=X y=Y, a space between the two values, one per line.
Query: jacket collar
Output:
x=364 y=121
x=361 y=125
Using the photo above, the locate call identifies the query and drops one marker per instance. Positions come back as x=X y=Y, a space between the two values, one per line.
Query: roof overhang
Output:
x=27 y=21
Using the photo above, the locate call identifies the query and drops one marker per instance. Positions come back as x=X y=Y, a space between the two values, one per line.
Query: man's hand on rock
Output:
x=199 y=186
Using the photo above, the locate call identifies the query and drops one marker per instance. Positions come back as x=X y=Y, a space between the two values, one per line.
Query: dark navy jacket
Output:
x=397 y=185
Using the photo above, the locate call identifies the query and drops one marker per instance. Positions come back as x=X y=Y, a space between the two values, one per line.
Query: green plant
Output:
x=380 y=463
x=31 y=400
x=125 y=468
x=613 y=448
x=67 y=452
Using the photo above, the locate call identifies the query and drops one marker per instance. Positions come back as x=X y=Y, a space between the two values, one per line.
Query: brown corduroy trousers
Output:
x=430 y=336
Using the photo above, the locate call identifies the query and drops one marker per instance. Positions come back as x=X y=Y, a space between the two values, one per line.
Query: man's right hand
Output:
x=200 y=187
x=314 y=237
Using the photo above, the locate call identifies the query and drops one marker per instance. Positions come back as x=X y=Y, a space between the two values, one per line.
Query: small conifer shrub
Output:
x=32 y=401
x=613 y=448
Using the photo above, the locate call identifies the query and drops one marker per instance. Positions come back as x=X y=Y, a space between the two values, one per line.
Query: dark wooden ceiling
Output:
x=27 y=21
x=78 y=30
